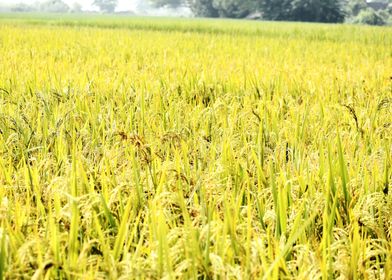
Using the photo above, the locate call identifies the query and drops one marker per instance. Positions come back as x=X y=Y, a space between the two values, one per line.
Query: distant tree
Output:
x=373 y=13
x=275 y=9
x=294 y=10
x=208 y=8
x=106 y=6
x=22 y=7
x=356 y=6
x=303 y=10
x=318 y=10
x=4 y=8
x=54 y=6
x=234 y=8
x=212 y=8
x=167 y=3
x=371 y=17
x=203 y=8
x=76 y=8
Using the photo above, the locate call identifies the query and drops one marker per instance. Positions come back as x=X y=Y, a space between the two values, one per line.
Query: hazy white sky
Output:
x=122 y=4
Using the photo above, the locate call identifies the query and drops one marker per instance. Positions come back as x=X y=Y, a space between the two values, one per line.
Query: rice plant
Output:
x=183 y=149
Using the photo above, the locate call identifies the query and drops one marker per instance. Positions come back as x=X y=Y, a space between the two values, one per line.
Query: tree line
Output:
x=377 y=12
x=59 y=6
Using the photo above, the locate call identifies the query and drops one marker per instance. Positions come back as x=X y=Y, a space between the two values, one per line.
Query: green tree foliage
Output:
x=203 y=8
x=303 y=10
x=168 y=3
x=234 y=8
x=371 y=17
x=54 y=6
x=106 y=6
x=356 y=6
x=275 y=9
x=22 y=7
x=48 y=6
x=289 y=10
x=318 y=10
x=375 y=13
x=212 y=8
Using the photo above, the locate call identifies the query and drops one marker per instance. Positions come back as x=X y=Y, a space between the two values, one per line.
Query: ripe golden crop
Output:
x=140 y=148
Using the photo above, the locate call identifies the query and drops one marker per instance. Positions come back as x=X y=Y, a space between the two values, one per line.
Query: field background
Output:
x=172 y=148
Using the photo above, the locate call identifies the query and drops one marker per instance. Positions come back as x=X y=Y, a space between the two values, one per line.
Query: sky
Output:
x=122 y=4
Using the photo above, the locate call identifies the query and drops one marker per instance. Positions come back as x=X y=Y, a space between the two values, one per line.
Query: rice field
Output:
x=138 y=148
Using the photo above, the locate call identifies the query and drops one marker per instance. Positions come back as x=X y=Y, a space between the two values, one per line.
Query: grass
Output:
x=160 y=148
